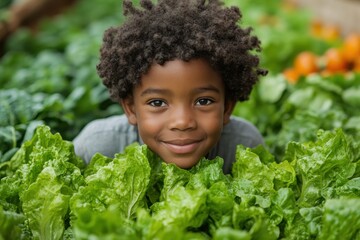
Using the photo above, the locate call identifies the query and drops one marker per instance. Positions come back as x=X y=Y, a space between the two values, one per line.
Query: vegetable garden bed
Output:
x=304 y=185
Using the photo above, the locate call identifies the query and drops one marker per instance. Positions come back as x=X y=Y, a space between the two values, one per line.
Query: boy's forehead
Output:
x=196 y=66
x=195 y=74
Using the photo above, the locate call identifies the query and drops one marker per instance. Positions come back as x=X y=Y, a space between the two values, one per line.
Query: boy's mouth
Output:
x=182 y=146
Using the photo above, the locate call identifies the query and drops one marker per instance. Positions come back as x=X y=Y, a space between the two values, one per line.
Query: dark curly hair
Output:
x=179 y=29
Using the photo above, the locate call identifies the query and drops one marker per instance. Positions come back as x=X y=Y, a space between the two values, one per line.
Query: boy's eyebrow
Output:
x=206 y=89
x=153 y=90
x=164 y=91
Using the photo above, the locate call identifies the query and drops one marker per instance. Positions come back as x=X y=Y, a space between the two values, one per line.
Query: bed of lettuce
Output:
x=46 y=192
x=284 y=112
x=305 y=185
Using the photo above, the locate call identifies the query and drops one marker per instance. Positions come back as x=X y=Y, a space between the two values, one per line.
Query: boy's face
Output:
x=180 y=110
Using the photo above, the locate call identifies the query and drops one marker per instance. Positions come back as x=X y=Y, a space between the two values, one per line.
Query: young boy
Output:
x=177 y=68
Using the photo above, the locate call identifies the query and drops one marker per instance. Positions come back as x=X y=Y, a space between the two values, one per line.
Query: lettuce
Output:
x=119 y=185
x=39 y=181
x=46 y=192
x=11 y=224
x=345 y=215
x=47 y=211
x=322 y=166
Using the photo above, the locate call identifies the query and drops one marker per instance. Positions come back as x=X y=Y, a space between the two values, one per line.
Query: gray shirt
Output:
x=111 y=135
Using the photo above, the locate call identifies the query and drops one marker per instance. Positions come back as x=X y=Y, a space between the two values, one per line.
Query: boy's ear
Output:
x=229 y=107
x=129 y=109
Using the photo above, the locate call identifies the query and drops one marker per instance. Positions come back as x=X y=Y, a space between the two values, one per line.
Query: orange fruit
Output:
x=351 y=47
x=305 y=63
x=335 y=61
x=291 y=75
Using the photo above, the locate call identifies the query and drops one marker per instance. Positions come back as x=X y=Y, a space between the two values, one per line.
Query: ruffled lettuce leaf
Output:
x=322 y=166
x=11 y=224
x=253 y=188
x=107 y=224
x=46 y=212
x=184 y=198
x=120 y=184
x=40 y=179
x=341 y=219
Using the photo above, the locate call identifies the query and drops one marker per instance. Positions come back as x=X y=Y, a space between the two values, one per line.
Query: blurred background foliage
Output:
x=48 y=75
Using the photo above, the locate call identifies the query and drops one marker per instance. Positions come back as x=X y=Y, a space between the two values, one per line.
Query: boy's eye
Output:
x=157 y=103
x=204 y=101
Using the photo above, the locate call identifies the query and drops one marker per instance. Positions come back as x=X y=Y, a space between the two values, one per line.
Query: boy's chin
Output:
x=184 y=163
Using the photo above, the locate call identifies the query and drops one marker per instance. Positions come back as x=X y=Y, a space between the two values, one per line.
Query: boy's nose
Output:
x=182 y=118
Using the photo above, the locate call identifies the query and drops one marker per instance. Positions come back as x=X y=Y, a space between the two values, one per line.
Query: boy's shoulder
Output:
x=112 y=123
x=106 y=136
x=241 y=128
x=237 y=131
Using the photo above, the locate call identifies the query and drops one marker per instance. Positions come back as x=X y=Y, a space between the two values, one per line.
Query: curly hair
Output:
x=185 y=30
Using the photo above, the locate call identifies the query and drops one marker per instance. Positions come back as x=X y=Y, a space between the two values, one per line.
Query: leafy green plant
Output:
x=52 y=78
x=46 y=192
x=284 y=112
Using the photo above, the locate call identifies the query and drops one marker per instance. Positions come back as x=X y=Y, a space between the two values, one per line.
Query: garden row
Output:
x=304 y=185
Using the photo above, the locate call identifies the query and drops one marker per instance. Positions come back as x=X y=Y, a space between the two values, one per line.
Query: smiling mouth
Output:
x=182 y=146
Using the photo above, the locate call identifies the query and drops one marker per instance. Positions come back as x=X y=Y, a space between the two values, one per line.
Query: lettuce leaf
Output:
x=45 y=167
x=115 y=190
x=11 y=224
x=46 y=212
x=322 y=165
x=106 y=189
x=341 y=219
